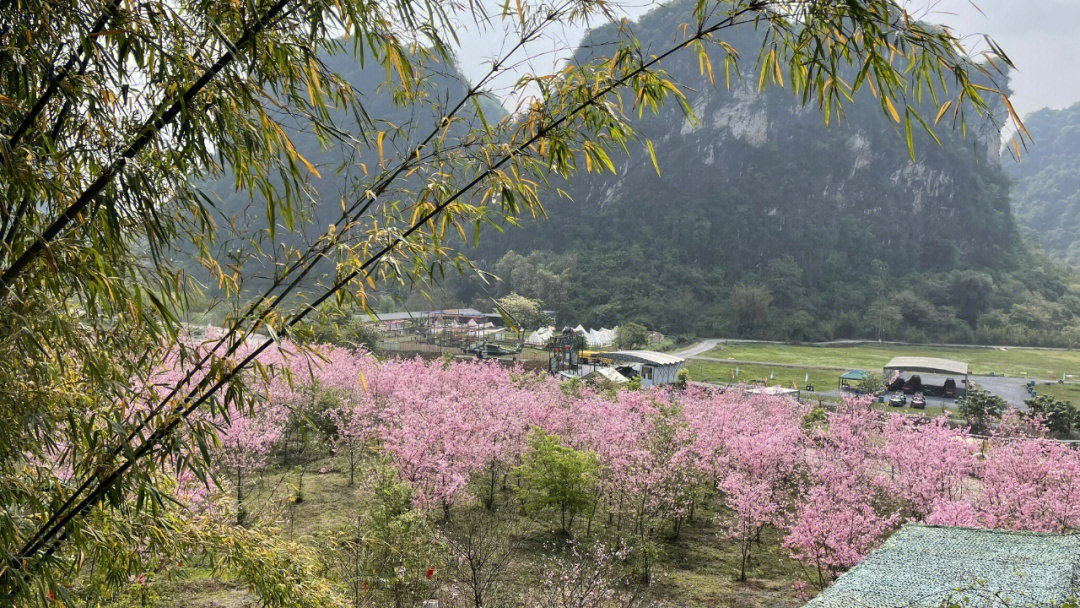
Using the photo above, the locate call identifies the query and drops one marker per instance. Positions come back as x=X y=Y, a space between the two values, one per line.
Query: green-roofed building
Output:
x=924 y=566
x=854 y=375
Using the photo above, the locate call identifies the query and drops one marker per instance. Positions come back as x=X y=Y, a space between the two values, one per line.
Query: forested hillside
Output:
x=342 y=161
x=763 y=222
x=1046 y=183
x=766 y=223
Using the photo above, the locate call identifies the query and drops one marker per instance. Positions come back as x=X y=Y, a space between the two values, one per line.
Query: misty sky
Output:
x=1040 y=36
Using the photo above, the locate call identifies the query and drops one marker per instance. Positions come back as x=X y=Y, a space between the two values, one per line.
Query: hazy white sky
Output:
x=1042 y=37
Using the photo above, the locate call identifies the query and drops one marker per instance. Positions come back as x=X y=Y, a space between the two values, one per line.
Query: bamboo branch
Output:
x=147 y=133
x=54 y=82
x=53 y=534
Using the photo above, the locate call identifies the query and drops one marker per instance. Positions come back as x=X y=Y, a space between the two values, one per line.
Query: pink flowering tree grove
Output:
x=830 y=491
x=836 y=520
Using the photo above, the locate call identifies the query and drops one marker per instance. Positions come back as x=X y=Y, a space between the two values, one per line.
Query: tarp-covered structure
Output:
x=609 y=374
x=943 y=369
x=924 y=566
x=775 y=391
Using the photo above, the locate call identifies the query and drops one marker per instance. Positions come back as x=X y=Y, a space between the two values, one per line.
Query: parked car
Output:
x=898 y=400
x=913 y=385
x=918 y=401
x=950 y=388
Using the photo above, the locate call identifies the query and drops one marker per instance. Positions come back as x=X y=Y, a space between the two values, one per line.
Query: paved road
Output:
x=697 y=348
x=1013 y=390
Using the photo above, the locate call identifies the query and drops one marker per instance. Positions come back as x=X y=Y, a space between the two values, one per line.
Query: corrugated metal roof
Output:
x=931 y=365
x=923 y=566
x=423 y=314
x=643 y=356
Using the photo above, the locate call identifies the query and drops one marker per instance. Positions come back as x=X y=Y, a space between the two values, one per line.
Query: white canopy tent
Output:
x=540 y=337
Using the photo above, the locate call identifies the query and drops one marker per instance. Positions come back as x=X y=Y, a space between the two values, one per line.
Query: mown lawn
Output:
x=1066 y=392
x=1045 y=364
x=724 y=373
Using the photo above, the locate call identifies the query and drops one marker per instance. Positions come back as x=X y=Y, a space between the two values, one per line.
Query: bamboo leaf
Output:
x=941 y=112
x=652 y=155
x=891 y=108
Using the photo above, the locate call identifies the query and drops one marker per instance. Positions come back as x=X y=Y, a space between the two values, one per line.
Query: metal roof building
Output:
x=644 y=356
x=924 y=566
x=930 y=365
x=655 y=368
x=424 y=314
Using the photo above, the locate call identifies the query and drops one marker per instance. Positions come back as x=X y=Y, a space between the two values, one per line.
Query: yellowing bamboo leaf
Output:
x=776 y=68
x=310 y=167
x=1015 y=116
x=941 y=112
x=892 y=110
x=652 y=155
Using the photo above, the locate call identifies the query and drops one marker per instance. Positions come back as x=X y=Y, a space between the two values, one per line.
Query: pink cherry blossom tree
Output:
x=928 y=463
x=835 y=523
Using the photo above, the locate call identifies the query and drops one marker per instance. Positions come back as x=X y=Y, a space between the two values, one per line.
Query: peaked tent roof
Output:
x=930 y=365
x=922 y=566
x=855 y=374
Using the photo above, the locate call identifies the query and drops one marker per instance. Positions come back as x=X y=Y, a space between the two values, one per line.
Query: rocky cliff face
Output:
x=756 y=183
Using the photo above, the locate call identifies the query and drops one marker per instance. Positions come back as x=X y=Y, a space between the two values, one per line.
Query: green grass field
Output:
x=1041 y=364
x=724 y=373
x=822 y=379
x=1065 y=392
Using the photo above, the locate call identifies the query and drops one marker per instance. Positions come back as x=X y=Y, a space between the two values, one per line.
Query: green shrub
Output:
x=558 y=477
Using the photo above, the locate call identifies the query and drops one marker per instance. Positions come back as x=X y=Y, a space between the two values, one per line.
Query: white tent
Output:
x=540 y=336
x=597 y=338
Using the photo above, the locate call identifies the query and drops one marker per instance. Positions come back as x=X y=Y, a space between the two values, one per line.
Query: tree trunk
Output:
x=491 y=490
x=239 y=496
x=352 y=464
